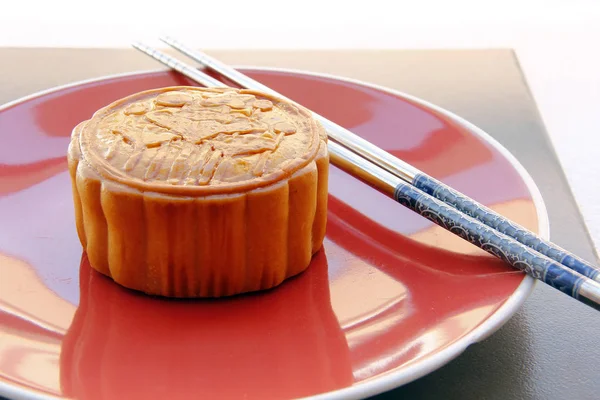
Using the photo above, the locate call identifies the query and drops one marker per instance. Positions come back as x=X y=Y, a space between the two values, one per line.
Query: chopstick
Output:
x=407 y=172
x=423 y=194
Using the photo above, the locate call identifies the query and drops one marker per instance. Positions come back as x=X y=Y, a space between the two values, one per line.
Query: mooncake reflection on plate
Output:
x=285 y=343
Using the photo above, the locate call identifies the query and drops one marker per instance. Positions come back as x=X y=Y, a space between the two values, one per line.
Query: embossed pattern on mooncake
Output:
x=200 y=137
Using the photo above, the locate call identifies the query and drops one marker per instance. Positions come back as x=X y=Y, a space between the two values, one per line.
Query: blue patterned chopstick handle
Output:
x=490 y=240
x=468 y=206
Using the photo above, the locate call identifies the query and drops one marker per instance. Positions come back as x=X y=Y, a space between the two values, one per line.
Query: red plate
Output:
x=386 y=301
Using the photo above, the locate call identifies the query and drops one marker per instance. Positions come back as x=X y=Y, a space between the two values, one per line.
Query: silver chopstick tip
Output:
x=139 y=45
x=167 y=39
x=144 y=49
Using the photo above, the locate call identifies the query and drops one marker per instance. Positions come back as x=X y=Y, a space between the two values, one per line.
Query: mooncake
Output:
x=197 y=192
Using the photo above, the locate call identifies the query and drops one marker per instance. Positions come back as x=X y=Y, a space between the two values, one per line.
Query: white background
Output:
x=557 y=42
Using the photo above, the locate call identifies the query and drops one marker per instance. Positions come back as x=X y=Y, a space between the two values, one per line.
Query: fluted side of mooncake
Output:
x=207 y=246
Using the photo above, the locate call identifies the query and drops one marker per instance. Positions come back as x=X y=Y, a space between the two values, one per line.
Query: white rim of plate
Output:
x=393 y=379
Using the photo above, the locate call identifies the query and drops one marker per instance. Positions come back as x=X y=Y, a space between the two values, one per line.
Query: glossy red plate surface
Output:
x=388 y=299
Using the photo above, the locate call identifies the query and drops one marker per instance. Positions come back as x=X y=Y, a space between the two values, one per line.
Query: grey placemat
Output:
x=551 y=348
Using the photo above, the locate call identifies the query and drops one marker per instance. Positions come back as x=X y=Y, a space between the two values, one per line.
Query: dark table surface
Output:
x=550 y=349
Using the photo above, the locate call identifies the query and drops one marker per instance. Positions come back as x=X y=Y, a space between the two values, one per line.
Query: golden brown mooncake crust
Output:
x=193 y=192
